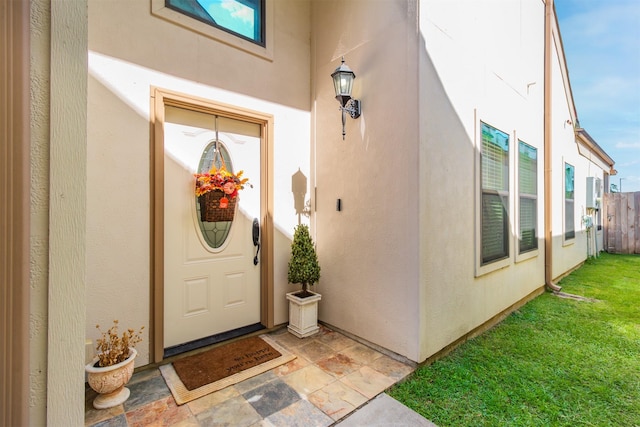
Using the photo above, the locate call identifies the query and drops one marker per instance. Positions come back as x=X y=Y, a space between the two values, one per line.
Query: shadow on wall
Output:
x=299 y=190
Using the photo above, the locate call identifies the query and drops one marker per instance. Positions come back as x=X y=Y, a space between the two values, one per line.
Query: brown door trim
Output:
x=14 y=213
x=159 y=99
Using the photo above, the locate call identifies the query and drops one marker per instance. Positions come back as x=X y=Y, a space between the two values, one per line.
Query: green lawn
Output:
x=554 y=362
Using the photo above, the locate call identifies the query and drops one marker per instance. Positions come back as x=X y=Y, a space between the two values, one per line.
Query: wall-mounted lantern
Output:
x=343 y=79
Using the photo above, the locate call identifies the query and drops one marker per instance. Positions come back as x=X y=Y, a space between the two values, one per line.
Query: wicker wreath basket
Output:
x=210 y=210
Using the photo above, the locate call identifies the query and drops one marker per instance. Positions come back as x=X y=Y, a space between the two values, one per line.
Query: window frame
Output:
x=522 y=255
x=260 y=13
x=484 y=267
x=265 y=51
x=565 y=238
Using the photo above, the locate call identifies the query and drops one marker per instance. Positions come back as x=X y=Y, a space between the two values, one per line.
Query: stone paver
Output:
x=331 y=379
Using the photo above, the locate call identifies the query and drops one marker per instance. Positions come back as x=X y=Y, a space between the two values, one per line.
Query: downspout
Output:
x=548 y=217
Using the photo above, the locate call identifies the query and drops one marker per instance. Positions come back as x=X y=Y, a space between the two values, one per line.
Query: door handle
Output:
x=256 y=239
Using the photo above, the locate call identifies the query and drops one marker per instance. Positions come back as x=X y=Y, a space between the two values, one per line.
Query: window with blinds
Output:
x=495 y=194
x=569 y=225
x=528 y=197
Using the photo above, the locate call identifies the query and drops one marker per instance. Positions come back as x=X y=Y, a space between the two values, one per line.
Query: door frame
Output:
x=159 y=99
x=15 y=214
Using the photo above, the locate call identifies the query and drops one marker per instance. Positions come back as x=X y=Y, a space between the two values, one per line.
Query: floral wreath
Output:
x=220 y=179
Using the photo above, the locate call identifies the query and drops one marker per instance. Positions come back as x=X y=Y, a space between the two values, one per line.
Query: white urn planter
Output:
x=109 y=381
x=303 y=314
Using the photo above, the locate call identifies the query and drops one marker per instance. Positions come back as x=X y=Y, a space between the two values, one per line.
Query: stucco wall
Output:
x=485 y=64
x=146 y=51
x=567 y=253
x=39 y=226
x=368 y=251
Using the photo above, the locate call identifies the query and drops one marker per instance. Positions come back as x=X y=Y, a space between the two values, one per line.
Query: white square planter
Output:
x=303 y=314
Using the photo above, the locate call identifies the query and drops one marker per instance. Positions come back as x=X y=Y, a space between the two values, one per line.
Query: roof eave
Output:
x=587 y=140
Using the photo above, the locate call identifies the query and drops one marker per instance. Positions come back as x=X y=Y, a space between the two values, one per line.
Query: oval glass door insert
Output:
x=214 y=233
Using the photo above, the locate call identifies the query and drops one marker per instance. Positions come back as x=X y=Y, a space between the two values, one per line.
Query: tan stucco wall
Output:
x=39 y=227
x=368 y=251
x=472 y=70
x=146 y=51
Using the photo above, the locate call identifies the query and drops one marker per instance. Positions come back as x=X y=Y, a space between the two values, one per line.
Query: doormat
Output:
x=198 y=375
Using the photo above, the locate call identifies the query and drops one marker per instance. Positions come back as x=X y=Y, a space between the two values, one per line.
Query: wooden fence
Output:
x=622 y=223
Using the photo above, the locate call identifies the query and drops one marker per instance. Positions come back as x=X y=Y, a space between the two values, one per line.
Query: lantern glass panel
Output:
x=343 y=82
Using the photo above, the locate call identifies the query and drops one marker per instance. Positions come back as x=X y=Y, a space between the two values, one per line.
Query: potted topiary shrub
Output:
x=305 y=270
x=111 y=369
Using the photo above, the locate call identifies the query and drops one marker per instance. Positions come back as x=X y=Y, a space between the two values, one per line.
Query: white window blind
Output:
x=528 y=193
x=495 y=194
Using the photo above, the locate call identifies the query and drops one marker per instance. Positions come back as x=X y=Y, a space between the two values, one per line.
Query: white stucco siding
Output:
x=567 y=253
x=131 y=50
x=369 y=250
x=481 y=64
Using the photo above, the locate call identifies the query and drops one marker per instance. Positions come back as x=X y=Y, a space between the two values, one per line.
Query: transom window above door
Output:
x=242 y=18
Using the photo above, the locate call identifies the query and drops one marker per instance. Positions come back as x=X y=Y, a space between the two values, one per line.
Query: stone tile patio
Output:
x=331 y=377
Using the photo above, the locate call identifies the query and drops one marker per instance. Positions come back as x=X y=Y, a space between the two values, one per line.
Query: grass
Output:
x=554 y=362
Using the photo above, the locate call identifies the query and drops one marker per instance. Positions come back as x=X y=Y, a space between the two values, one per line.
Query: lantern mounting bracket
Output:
x=352 y=108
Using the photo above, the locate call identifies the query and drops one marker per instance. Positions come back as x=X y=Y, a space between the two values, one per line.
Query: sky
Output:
x=601 y=41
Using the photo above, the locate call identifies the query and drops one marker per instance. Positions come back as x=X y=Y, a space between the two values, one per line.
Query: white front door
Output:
x=211 y=283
